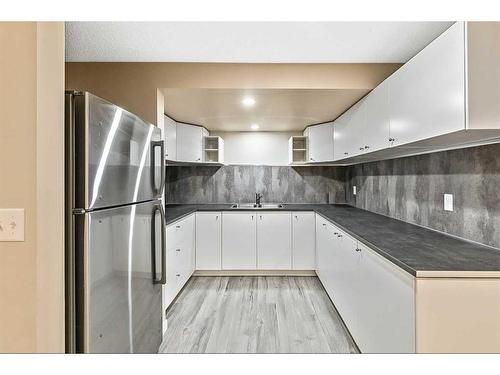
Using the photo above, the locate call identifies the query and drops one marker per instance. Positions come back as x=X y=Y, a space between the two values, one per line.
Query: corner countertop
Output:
x=419 y=251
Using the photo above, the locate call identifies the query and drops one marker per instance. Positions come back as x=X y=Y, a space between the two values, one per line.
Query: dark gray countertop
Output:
x=421 y=252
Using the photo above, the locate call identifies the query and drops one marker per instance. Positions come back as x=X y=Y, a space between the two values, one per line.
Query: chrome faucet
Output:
x=258 y=197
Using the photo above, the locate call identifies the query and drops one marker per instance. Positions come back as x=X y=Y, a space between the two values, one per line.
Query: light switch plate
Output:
x=354 y=190
x=448 y=202
x=11 y=224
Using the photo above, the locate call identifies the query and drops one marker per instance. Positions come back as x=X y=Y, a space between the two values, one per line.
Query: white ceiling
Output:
x=274 y=109
x=249 y=42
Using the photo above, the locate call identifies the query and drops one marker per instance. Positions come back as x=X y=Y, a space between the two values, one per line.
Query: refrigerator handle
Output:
x=160 y=144
x=163 y=279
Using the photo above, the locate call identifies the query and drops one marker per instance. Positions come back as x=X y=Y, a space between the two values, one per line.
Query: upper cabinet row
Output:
x=430 y=103
x=191 y=143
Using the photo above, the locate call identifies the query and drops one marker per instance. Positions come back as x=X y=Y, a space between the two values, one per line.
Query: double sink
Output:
x=255 y=206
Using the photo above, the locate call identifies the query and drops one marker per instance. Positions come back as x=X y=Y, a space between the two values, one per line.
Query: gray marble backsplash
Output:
x=412 y=189
x=239 y=183
x=409 y=189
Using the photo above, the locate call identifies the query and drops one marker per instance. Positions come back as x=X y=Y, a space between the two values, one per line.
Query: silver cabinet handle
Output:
x=296 y=217
x=324 y=224
x=361 y=148
x=178 y=275
x=358 y=249
x=216 y=217
x=392 y=139
x=311 y=159
x=335 y=233
x=177 y=226
x=339 y=236
x=346 y=153
x=260 y=217
x=178 y=250
x=367 y=147
x=252 y=217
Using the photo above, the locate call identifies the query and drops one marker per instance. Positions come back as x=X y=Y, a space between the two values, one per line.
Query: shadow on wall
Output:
x=239 y=183
x=412 y=189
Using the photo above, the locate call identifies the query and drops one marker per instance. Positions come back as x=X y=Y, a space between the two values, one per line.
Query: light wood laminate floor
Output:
x=255 y=314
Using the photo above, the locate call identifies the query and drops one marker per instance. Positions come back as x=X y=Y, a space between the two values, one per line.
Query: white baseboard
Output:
x=255 y=273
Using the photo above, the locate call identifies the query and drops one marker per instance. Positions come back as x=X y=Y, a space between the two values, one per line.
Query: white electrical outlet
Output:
x=448 y=202
x=11 y=224
x=354 y=190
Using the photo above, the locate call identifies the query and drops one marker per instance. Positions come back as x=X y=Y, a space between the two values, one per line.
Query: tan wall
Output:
x=483 y=75
x=50 y=187
x=31 y=128
x=134 y=85
x=460 y=315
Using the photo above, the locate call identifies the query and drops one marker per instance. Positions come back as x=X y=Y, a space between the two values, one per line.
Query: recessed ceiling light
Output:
x=248 y=101
x=255 y=126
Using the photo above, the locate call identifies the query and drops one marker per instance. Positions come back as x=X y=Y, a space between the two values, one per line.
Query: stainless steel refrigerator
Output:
x=115 y=232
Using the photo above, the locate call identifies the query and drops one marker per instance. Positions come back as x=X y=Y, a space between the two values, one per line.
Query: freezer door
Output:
x=119 y=157
x=124 y=268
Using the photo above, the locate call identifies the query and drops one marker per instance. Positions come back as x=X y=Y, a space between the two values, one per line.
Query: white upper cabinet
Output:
x=423 y=105
x=274 y=241
x=170 y=139
x=427 y=94
x=341 y=135
x=376 y=129
x=190 y=142
x=320 y=142
x=357 y=127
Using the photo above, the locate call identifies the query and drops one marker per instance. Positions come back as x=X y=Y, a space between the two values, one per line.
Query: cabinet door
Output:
x=303 y=241
x=343 y=276
x=239 y=250
x=274 y=241
x=427 y=94
x=320 y=142
x=208 y=241
x=342 y=137
x=170 y=139
x=376 y=132
x=357 y=129
x=324 y=244
x=384 y=306
x=189 y=142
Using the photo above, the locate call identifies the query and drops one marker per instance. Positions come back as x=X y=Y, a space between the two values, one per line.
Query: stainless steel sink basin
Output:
x=253 y=206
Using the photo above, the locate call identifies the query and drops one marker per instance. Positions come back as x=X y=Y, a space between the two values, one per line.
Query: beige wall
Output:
x=31 y=177
x=458 y=315
x=134 y=85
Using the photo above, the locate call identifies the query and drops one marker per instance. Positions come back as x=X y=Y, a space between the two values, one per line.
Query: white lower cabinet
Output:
x=374 y=297
x=386 y=306
x=239 y=251
x=180 y=257
x=323 y=253
x=303 y=241
x=208 y=240
x=274 y=241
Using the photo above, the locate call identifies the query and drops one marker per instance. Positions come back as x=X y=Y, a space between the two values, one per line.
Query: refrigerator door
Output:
x=123 y=255
x=118 y=157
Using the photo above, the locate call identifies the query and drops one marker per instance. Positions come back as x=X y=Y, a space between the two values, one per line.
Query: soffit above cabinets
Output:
x=249 y=42
x=274 y=109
